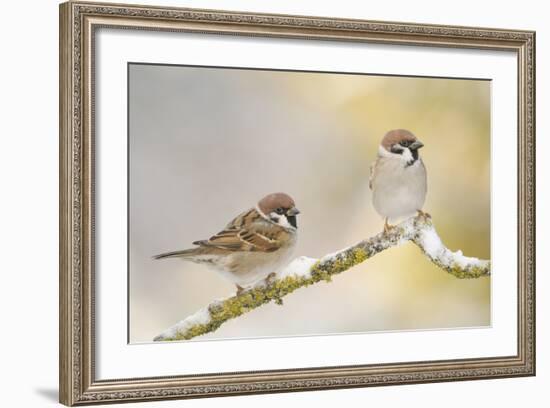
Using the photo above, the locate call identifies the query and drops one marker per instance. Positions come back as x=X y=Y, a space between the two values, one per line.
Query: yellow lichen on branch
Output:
x=304 y=271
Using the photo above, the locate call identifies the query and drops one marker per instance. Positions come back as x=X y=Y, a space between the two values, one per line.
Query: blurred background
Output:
x=208 y=143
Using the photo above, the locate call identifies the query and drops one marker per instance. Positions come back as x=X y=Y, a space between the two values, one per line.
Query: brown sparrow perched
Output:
x=398 y=177
x=253 y=246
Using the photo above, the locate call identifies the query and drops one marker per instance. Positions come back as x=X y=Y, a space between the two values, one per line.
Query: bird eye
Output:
x=279 y=210
x=405 y=143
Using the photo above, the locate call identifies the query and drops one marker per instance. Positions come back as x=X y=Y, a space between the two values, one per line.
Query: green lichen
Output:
x=471 y=272
x=340 y=263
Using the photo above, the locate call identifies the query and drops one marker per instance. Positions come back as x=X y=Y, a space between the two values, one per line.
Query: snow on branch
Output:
x=306 y=271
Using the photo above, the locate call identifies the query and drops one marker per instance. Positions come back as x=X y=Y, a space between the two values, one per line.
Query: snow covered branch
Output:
x=306 y=271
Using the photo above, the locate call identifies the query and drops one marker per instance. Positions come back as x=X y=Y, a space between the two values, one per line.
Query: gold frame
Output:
x=78 y=22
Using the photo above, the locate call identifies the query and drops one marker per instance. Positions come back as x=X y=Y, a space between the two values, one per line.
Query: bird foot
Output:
x=423 y=214
x=387 y=227
x=270 y=278
x=240 y=290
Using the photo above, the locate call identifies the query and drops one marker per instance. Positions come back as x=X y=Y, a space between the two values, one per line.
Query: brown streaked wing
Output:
x=243 y=234
x=242 y=219
x=263 y=240
x=226 y=239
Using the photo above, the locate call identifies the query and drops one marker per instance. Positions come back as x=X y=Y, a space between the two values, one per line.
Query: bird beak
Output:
x=293 y=211
x=416 y=145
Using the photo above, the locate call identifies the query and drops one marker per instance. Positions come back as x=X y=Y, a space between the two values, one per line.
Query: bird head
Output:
x=280 y=209
x=400 y=144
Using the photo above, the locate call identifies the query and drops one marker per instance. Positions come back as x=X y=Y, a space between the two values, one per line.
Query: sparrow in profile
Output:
x=398 y=177
x=253 y=246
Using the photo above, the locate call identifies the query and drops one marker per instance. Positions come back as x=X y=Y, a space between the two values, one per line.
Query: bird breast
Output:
x=398 y=190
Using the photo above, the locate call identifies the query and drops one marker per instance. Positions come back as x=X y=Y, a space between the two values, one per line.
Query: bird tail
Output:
x=177 y=254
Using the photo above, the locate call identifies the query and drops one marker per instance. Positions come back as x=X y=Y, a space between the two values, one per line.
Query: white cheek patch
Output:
x=280 y=219
x=276 y=218
x=407 y=155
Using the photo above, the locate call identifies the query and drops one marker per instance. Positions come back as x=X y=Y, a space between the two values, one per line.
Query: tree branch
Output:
x=306 y=271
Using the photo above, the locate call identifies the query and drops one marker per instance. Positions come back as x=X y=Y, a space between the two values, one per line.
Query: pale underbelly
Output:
x=247 y=268
x=398 y=202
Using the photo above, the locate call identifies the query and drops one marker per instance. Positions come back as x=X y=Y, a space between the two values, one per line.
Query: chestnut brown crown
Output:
x=397 y=136
x=274 y=201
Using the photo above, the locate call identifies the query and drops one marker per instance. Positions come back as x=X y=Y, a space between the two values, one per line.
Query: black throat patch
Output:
x=292 y=220
x=414 y=154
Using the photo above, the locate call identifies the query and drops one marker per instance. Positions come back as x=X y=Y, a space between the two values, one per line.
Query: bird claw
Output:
x=423 y=214
x=387 y=227
x=270 y=278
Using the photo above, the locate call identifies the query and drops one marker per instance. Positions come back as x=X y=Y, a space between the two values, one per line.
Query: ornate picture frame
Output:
x=79 y=22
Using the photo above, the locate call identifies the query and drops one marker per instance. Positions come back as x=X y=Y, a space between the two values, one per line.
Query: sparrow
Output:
x=398 y=177
x=253 y=246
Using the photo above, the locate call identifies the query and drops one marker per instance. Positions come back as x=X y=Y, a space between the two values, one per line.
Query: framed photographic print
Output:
x=256 y=203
